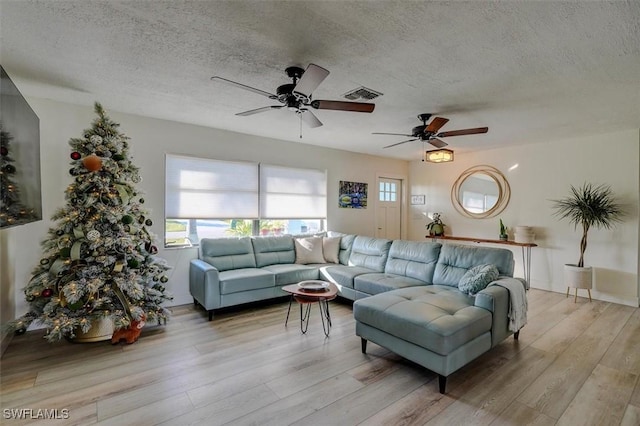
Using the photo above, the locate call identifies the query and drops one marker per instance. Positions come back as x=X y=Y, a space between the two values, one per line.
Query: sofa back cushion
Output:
x=455 y=260
x=346 y=243
x=413 y=259
x=370 y=253
x=274 y=250
x=228 y=253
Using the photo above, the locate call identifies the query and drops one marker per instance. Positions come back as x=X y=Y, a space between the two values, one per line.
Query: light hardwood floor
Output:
x=575 y=364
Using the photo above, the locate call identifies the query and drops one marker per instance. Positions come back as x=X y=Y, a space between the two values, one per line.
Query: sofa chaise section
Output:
x=436 y=325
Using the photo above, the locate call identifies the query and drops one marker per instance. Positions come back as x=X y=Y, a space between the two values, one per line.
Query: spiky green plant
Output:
x=589 y=206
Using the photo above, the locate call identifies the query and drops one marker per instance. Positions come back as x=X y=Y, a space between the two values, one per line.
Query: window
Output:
x=211 y=199
x=388 y=191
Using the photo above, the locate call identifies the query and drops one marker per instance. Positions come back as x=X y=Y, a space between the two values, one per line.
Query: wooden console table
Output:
x=526 y=250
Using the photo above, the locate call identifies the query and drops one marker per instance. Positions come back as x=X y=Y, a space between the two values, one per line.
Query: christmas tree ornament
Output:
x=117 y=157
x=141 y=220
x=164 y=279
x=93 y=235
x=4 y=151
x=75 y=155
x=44 y=261
x=47 y=292
x=148 y=222
x=95 y=139
x=133 y=264
x=127 y=219
x=93 y=163
x=141 y=201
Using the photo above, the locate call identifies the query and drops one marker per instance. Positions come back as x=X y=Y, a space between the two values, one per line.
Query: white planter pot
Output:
x=578 y=277
x=100 y=330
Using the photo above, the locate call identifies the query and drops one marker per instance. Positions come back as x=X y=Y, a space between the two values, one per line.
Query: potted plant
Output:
x=588 y=206
x=503 y=232
x=436 y=227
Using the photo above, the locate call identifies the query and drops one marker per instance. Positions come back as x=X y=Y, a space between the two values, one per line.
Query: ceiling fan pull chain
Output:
x=300 y=125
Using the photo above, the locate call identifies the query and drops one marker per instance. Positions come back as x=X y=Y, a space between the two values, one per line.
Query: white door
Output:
x=388 y=213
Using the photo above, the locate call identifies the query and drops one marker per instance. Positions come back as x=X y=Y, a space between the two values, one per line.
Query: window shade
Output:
x=198 y=188
x=292 y=193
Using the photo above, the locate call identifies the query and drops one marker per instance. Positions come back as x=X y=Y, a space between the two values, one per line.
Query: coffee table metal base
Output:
x=305 y=313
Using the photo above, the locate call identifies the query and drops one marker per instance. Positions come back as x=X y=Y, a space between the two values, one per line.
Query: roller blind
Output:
x=199 y=188
x=291 y=193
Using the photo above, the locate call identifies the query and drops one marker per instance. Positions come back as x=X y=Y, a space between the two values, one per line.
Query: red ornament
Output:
x=4 y=151
x=93 y=163
x=75 y=155
x=47 y=292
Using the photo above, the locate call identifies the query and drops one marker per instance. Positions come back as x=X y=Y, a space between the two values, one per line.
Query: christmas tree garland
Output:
x=100 y=258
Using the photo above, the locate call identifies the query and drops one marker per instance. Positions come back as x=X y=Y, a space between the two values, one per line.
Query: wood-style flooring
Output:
x=575 y=364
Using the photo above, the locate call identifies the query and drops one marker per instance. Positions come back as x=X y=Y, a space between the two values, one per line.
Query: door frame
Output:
x=404 y=188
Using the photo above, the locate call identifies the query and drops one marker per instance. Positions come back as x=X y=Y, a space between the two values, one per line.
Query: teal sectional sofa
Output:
x=405 y=293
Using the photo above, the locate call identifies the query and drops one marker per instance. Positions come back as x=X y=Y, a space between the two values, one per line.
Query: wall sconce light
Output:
x=442 y=155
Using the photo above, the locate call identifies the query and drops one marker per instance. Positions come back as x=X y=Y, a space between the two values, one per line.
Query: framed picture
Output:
x=417 y=199
x=353 y=195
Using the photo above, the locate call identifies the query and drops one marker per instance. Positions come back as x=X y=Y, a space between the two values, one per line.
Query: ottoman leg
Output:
x=516 y=335
x=363 y=345
x=442 y=383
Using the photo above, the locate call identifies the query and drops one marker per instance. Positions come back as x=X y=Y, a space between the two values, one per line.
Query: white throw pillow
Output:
x=309 y=250
x=330 y=249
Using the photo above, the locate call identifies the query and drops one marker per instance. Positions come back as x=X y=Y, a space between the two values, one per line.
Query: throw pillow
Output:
x=477 y=278
x=309 y=250
x=330 y=249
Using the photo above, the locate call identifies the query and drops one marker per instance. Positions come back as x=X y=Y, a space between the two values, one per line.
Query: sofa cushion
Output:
x=381 y=282
x=477 y=278
x=237 y=280
x=228 y=253
x=413 y=259
x=455 y=260
x=346 y=243
x=342 y=275
x=308 y=250
x=273 y=250
x=292 y=273
x=331 y=249
x=369 y=253
x=437 y=318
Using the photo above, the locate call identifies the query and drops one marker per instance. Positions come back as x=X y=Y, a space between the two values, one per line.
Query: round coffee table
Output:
x=307 y=293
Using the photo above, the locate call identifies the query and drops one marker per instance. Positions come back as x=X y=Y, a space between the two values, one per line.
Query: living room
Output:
x=536 y=172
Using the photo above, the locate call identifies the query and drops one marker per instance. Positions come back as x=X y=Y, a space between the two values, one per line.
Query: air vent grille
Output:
x=362 y=92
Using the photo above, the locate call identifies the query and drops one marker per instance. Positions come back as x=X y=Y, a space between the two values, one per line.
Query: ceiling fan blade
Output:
x=258 y=110
x=462 y=132
x=399 y=143
x=343 y=106
x=437 y=143
x=312 y=77
x=436 y=124
x=310 y=119
x=244 y=86
x=392 y=134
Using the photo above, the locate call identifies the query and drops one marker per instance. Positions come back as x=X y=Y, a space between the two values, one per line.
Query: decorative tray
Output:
x=313 y=286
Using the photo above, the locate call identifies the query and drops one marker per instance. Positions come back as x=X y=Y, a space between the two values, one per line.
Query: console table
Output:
x=526 y=250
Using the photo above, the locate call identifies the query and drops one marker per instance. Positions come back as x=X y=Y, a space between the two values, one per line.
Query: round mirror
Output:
x=480 y=192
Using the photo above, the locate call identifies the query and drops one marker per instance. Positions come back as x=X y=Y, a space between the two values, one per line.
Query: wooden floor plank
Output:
x=624 y=353
x=602 y=400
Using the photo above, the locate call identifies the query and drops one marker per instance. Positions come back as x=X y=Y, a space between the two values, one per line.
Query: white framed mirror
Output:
x=480 y=192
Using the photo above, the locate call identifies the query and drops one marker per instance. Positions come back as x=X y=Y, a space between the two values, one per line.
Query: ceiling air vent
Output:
x=362 y=92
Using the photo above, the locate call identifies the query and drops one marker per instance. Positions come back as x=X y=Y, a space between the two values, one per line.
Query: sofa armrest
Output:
x=204 y=284
x=496 y=300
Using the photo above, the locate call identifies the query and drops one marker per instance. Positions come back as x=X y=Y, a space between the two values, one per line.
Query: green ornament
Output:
x=127 y=219
x=164 y=279
x=118 y=157
x=148 y=222
x=75 y=306
x=65 y=252
x=141 y=200
x=133 y=263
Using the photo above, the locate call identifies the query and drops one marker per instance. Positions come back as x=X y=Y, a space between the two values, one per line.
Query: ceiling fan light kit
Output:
x=442 y=155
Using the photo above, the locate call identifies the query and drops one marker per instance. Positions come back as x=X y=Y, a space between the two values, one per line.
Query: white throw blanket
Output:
x=517 y=302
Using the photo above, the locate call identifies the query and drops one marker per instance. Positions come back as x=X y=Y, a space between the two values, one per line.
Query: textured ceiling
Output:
x=530 y=71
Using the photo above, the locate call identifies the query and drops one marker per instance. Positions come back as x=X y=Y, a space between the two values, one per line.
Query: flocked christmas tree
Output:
x=100 y=259
x=12 y=210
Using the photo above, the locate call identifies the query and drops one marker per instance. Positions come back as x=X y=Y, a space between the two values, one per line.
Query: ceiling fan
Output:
x=429 y=133
x=296 y=96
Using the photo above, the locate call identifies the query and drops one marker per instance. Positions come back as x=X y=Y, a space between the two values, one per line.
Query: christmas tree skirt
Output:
x=100 y=330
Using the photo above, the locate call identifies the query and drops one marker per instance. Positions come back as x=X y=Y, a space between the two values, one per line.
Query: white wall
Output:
x=544 y=172
x=150 y=140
